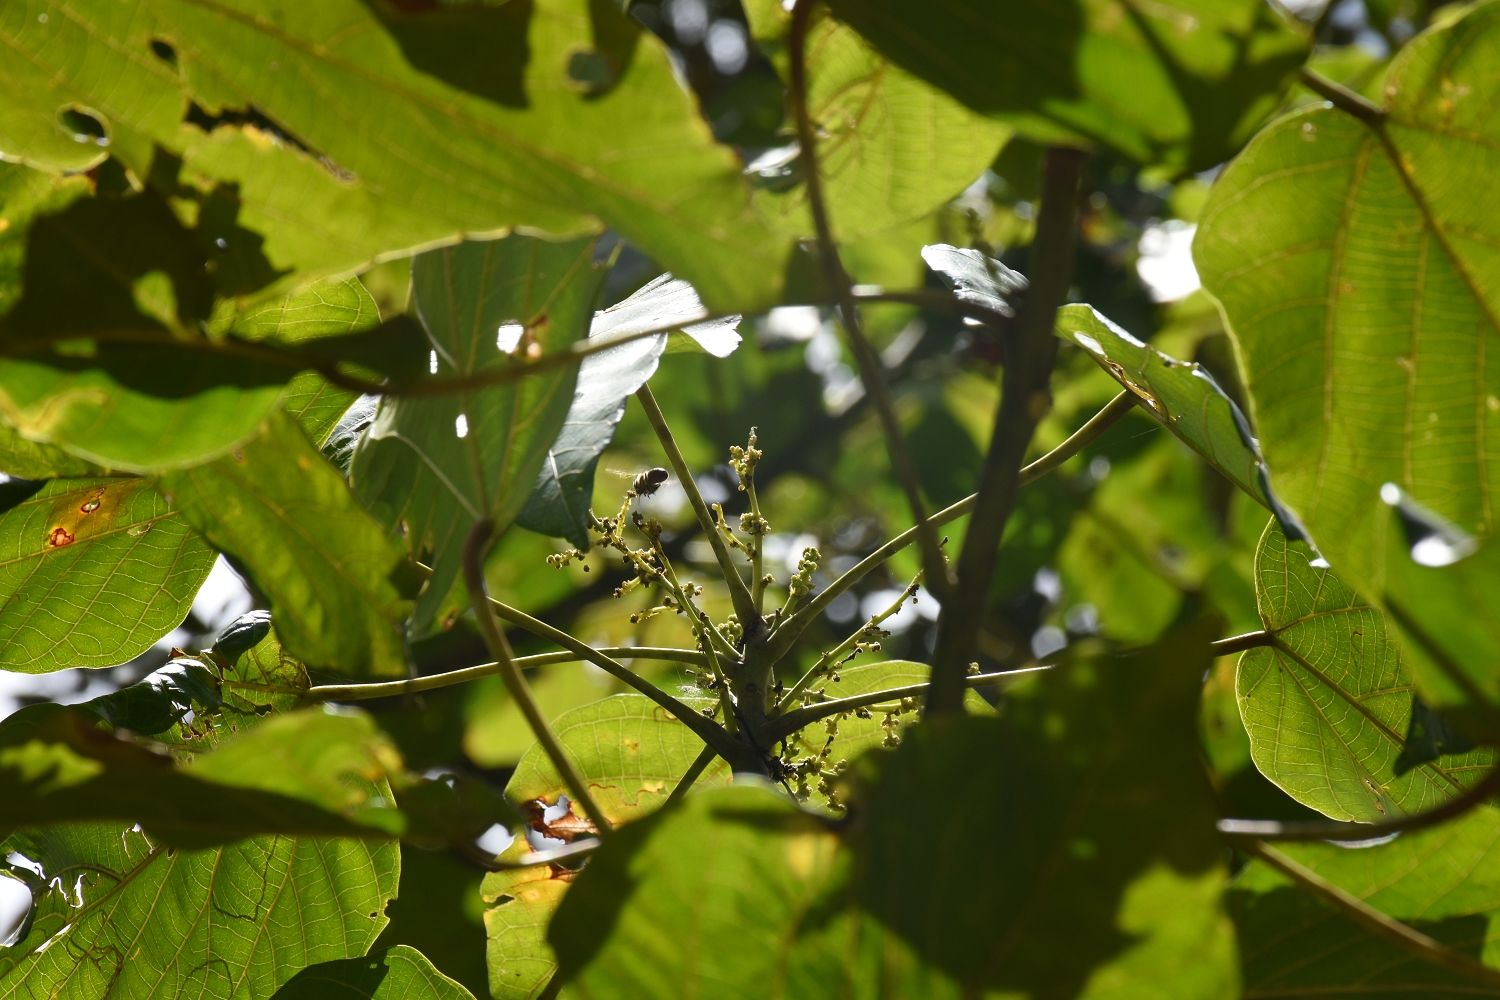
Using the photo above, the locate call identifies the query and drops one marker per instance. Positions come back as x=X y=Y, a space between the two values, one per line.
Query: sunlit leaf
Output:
x=288 y=517
x=399 y=973
x=1328 y=705
x=346 y=132
x=438 y=464
x=1182 y=83
x=1360 y=285
x=94 y=572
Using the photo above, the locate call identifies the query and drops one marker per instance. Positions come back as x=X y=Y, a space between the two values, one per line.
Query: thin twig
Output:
x=1268 y=829
x=1407 y=938
x=706 y=729
x=699 y=765
x=834 y=656
x=785 y=725
x=1343 y=98
x=515 y=682
x=432 y=682
x=940 y=302
x=787 y=633
x=1240 y=643
x=1025 y=397
x=871 y=370
x=739 y=594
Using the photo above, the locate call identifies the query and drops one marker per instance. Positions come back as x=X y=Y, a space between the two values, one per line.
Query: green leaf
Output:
x=1181 y=395
x=438 y=464
x=520 y=960
x=96 y=571
x=629 y=749
x=891 y=147
x=1182 y=83
x=1360 y=286
x=1296 y=946
x=25 y=194
x=23 y=459
x=288 y=517
x=1086 y=799
x=492 y=129
x=399 y=973
x=117 y=915
x=559 y=503
x=1328 y=706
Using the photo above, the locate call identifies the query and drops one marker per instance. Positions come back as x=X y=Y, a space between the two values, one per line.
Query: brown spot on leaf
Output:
x=59 y=537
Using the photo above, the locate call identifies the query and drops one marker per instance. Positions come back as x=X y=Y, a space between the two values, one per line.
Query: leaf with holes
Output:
x=345 y=132
x=1327 y=705
x=118 y=915
x=1182 y=83
x=288 y=517
x=95 y=571
x=436 y=465
x=559 y=504
x=399 y=973
x=891 y=147
x=1360 y=284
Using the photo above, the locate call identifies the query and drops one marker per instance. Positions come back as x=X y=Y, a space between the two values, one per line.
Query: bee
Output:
x=648 y=482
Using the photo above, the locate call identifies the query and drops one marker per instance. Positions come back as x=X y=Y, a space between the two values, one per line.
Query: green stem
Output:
x=757 y=569
x=432 y=682
x=1025 y=397
x=699 y=765
x=835 y=654
x=871 y=370
x=1240 y=643
x=515 y=683
x=786 y=725
x=739 y=594
x=1343 y=98
x=704 y=629
x=787 y=633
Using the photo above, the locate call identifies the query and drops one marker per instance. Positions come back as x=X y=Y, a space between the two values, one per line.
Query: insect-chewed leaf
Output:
x=399 y=973
x=94 y=572
x=116 y=914
x=1328 y=706
x=439 y=464
x=1182 y=83
x=352 y=168
x=1359 y=283
x=278 y=507
x=559 y=504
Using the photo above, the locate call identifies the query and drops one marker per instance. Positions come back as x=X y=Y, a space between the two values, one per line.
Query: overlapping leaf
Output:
x=559 y=504
x=437 y=465
x=346 y=133
x=891 y=148
x=1328 y=705
x=288 y=517
x=25 y=194
x=1360 y=284
x=1182 y=83
x=93 y=572
x=399 y=973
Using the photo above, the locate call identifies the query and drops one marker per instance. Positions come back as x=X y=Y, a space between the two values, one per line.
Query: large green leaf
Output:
x=430 y=467
x=94 y=572
x=288 y=517
x=891 y=148
x=119 y=917
x=559 y=503
x=1182 y=83
x=399 y=973
x=25 y=194
x=350 y=132
x=1328 y=705
x=1294 y=946
x=1361 y=287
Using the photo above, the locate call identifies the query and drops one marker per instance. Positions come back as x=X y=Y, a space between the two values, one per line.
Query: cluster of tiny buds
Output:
x=744 y=460
x=564 y=558
x=733 y=630
x=801 y=583
x=754 y=524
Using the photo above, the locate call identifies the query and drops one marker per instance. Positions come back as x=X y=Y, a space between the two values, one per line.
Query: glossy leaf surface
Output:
x=94 y=572
x=1328 y=706
x=1183 y=83
x=288 y=517
x=441 y=463
x=1361 y=287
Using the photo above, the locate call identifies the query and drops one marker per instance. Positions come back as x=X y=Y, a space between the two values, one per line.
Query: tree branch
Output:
x=515 y=683
x=1268 y=829
x=739 y=594
x=871 y=370
x=1025 y=399
x=1343 y=98
x=432 y=682
x=786 y=634
x=786 y=725
x=704 y=728
x=1406 y=938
